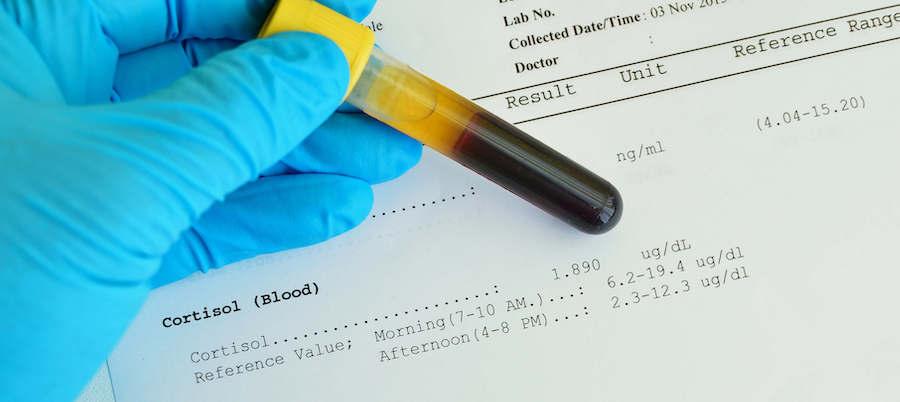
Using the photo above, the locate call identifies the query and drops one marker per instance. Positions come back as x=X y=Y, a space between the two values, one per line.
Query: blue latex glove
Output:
x=185 y=170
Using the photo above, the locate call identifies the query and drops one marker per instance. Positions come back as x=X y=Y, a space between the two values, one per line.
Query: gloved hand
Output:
x=123 y=168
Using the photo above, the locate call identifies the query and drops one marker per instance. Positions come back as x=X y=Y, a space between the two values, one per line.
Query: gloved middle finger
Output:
x=349 y=144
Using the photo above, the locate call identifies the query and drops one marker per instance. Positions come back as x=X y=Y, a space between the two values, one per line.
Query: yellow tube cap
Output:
x=355 y=40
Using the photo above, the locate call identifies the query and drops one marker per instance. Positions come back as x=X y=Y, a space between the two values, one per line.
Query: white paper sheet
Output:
x=755 y=145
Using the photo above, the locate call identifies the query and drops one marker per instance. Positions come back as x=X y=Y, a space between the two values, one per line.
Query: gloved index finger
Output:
x=136 y=24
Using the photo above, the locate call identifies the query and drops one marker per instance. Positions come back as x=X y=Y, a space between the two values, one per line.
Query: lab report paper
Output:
x=755 y=143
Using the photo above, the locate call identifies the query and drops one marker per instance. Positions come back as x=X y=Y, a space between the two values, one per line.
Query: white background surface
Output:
x=812 y=206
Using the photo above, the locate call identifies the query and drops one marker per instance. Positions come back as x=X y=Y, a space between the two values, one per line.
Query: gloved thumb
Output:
x=236 y=115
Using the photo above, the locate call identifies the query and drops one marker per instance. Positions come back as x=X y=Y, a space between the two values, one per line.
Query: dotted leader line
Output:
x=428 y=307
x=571 y=295
x=573 y=316
x=427 y=204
